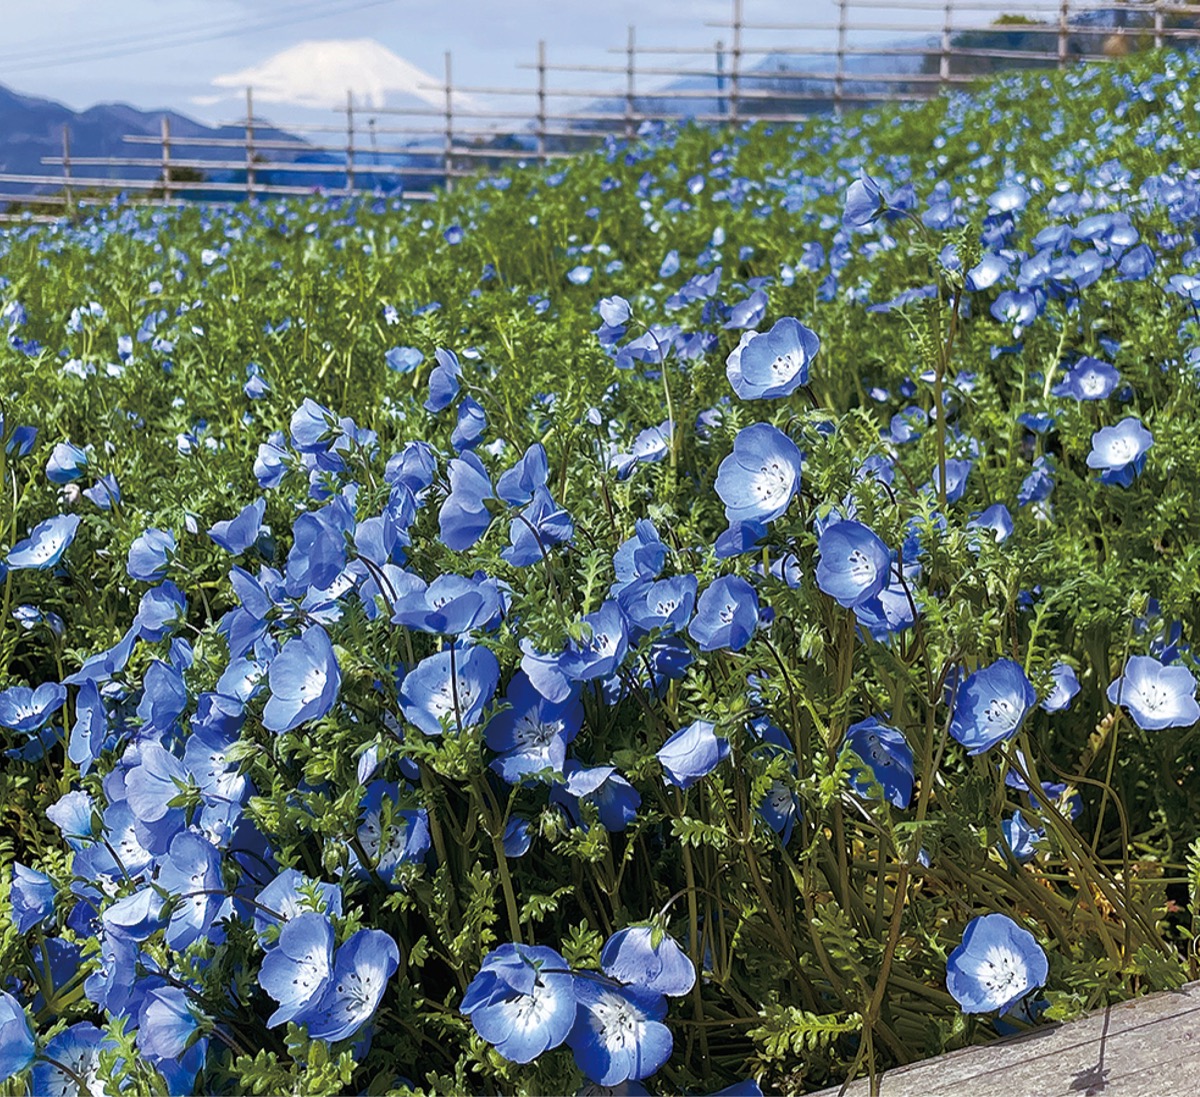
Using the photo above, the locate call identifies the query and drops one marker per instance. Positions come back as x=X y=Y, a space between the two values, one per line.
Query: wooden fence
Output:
x=771 y=72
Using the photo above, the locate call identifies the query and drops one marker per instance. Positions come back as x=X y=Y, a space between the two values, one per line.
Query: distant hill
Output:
x=31 y=128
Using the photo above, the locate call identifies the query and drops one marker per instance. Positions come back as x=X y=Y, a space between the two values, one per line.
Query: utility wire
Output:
x=149 y=46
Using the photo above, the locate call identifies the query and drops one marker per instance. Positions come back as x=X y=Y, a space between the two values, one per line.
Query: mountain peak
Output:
x=318 y=73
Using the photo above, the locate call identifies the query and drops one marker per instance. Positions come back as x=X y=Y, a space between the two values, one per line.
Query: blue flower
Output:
x=1066 y=685
x=772 y=365
x=991 y=706
x=532 y=734
x=854 y=565
x=16 y=1040
x=451 y=604
x=24 y=709
x=32 y=897
x=890 y=758
x=78 y=1049
x=472 y=422
x=389 y=835
x=191 y=874
x=1120 y=451
x=616 y=800
x=540 y=526
x=403 y=359
x=864 y=202
x=650 y=959
x=666 y=604
x=1020 y=836
x=297 y=971
x=361 y=970
x=996 y=520
x=618 y=1035
x=615 y=311
x=288 y=896
x=435 y=697
x=67 y=463
x=518 y=484
x=443 y=381
x=1089 y=379
x=150 y=555
x=956 y=478
x=522 y=1001
x=1038 y=485
x=996 y=965
x=691 y=754
x=757 y=481
x=726 y=615
x=464 y=516
x=1156 y=696
x=166 y=1023
x=304 y=679
x=46 y=543
x=236 y=535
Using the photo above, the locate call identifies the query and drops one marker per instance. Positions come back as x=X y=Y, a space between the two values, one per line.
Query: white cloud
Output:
x=319 y=73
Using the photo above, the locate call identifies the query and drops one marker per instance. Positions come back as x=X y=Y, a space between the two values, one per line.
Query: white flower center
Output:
x=313 y=684
x=618 y=1024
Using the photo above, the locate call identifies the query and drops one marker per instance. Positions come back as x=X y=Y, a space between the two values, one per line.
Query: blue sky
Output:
x=155 y=53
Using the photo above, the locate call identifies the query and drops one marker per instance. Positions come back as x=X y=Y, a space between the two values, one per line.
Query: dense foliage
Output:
x=713 y=614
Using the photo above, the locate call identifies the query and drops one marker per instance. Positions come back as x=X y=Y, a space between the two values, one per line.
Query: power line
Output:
x=176 y=42
x=36 y=53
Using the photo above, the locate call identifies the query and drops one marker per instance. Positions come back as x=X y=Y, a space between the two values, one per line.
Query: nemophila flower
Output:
x=150 y=555
x=464 y=516
x=665 y=604
x=1120 y=451
x=24 y=709
x=614 y=311
x=78 y=1050
x=291 y=894
x=472 y=422
x=618 y=1035
x=72 y=814
x=616 y=800
x=522 y=1001
x=389 y=835
x=890 y=758
x=313 y=427
x=451 y=604
x=957 y=472
x=32 y=897
x=236 y=535
x=361 y=970
x=17 y=1045
x=648 y=958
x=1039 y=484
x=449 y=689
x=443 y=381
x=691 y=753
x=518 y=484
x=772 y=365
x=297 y=971
x=996 y=520
x=864 y=202
x=191 y=876
x=532 y=733
x=104 y=492
x=161 y=610
x=747 y=313
x=1020 y=836
x=1156 y=696
x=272 y=461
x=854 y=565
x=66 y=464
x=518 y=837
x=539 y=527
x=304 y=679
x=757 y=481
x=166 y=1023
x=640 y=558
x=991 y=705
x=996 y=965
x=649 y=448
x=1089 y=379
x=1065 y=686
x=45 y=545
x=403 y=359
x=726 y=615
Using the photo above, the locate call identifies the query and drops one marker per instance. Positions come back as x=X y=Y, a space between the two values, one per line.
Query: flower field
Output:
x=712 y=616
